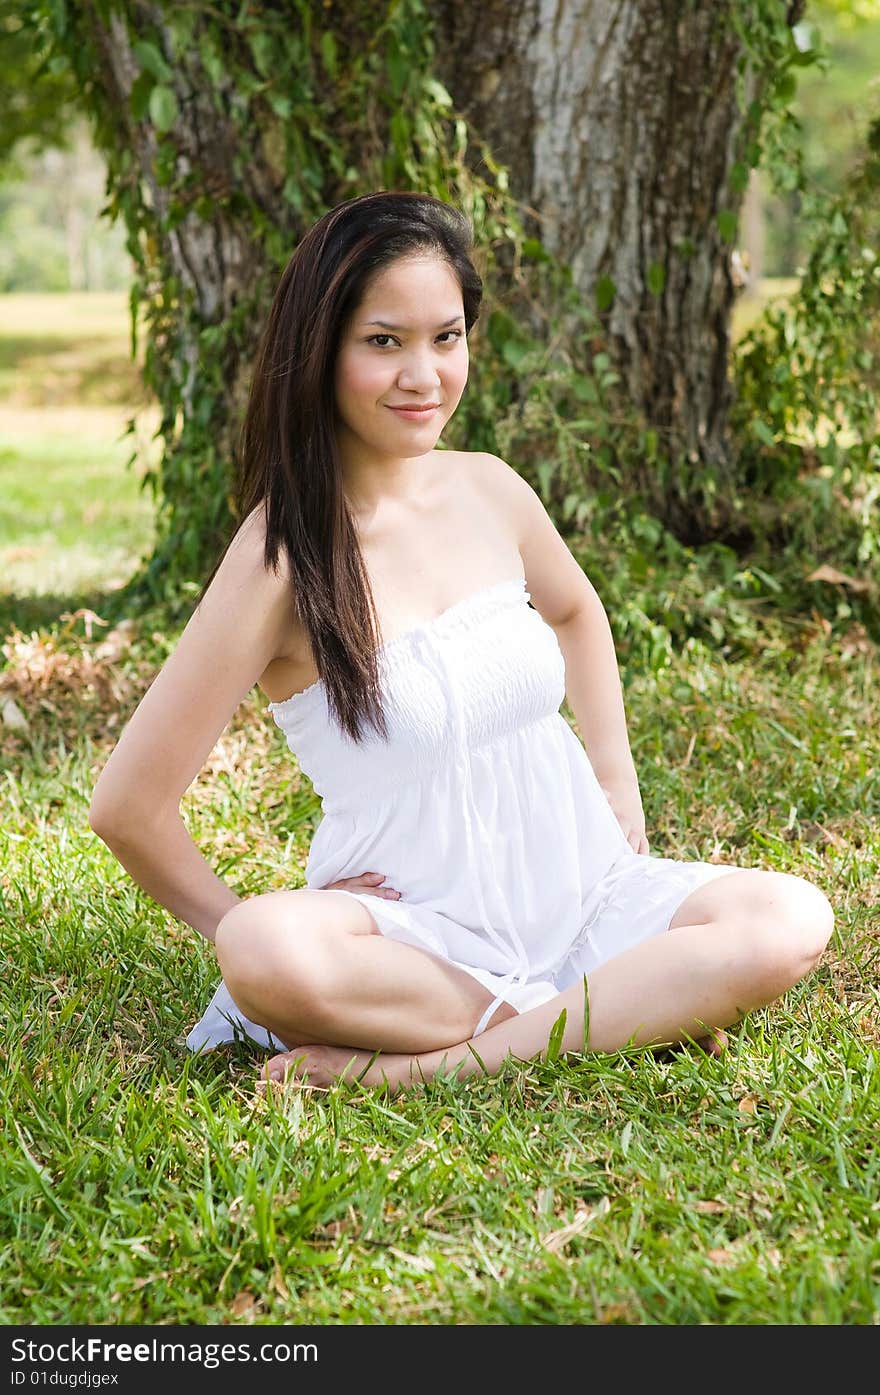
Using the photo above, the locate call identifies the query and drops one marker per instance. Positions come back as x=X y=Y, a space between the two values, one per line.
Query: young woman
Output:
x=416 y=621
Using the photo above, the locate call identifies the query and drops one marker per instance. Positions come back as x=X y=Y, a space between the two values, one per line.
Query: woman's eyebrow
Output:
x=385 y=325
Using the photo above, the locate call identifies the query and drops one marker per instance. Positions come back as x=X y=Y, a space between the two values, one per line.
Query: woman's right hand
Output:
x=367 y=881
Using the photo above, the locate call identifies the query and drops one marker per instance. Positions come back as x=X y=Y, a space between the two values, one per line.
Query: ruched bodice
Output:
x=489 y=658
x=481 y=808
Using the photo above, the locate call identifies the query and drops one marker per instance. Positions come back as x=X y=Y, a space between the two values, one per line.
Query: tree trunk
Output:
x=619 y=124
x=218 y=261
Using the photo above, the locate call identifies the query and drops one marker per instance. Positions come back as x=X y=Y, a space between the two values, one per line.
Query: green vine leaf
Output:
x=739 y=177
x=727 y=225
x=329 y=55
x=606 y=290
x=281 y=105
x=437 y=92
x=656 y=278
x=263 y=46
x=785 y=89
x=163 y=108
x=151 y=60
x=139 y=100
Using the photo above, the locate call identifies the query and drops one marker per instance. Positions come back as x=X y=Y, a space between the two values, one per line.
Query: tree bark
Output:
x=218 y=260
x=619 y=124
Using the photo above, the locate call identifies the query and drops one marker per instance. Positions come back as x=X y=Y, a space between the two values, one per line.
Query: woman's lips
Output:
x=413 y=413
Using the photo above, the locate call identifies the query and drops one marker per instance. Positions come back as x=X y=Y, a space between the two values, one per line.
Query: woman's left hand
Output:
x=622 y=793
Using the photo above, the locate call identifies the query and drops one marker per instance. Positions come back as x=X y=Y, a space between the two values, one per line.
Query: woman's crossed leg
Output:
x=319 y=972
x=312 y=965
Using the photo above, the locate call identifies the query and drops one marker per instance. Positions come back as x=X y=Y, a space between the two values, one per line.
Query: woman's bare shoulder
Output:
x=478 y=467
x=249 y=545
x=499 y=485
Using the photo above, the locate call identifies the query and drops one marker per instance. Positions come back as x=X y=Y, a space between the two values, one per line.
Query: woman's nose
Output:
x=419 y=371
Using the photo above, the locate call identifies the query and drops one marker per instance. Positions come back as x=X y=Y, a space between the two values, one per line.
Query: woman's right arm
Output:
x=243 y=622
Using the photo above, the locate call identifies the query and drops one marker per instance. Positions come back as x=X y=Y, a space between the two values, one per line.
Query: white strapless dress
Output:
x=482 y=809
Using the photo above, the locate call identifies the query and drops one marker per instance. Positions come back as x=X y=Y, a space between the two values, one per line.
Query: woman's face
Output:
x=404 y=347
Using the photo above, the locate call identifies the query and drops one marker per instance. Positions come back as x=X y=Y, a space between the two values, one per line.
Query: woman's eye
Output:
x=374 y=338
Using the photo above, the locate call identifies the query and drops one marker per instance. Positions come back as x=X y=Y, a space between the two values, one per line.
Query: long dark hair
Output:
x=289 y=460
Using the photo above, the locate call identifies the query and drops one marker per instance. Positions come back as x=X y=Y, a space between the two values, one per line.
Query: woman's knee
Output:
x=807 y=916
x=788 y=928
x=268 y=951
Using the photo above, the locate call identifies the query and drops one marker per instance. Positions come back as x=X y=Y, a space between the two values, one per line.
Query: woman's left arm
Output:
x=595 y=696
x=568 y=602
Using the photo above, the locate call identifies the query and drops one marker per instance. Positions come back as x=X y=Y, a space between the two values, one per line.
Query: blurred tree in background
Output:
x=832 y=103
x=50 y=170
x=52 y=178
x=38 y=91
x=52 y=235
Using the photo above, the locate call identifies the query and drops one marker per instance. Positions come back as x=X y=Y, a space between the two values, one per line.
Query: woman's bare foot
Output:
x=715 y=1043
x=318 y=1065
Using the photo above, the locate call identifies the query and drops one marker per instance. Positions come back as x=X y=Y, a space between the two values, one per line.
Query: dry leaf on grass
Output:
x=827 y=573
x=244 y=1304
x=12 y=716
x=557 y=1240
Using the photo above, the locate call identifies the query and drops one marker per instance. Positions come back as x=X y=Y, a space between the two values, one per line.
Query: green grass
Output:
x=74 y=519
x=70 y=518
x=142 y=1185
x=68 y=349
